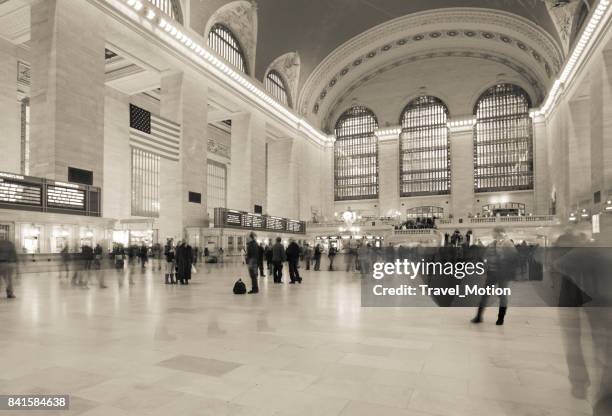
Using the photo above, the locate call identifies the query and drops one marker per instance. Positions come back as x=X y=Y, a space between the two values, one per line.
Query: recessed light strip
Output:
x=195 y=50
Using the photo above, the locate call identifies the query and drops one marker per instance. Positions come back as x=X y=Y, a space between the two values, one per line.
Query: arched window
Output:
x=356 y=155
x=503 y=146
x=171 y=7
x=223 y=41
x=275 y=84
x=424 y=148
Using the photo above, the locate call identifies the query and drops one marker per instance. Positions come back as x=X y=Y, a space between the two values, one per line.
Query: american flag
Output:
x=154 y=134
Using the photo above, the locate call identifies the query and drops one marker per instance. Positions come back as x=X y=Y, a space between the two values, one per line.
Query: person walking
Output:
x=65 y=266
x=317 y=257
x=252 y=260
x=278 y=257
x=98 y=265
x=156 y=253
x=143 y=254
x=293 y=258
x=307 y=255
x=502 y=259
x=268 y=256
x=8 y=266
x=169 y=254
x=332 y=255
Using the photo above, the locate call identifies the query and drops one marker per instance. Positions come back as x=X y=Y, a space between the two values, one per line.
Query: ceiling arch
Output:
x=506 y=38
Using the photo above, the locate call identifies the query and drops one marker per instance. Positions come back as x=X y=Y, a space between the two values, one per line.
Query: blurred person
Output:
x=293 y=259
x=317 y=257
x=501 y=260
x=260 y=259
x=143 y=255
x=331 y=255
x=307 y=255
x=156 y=253
x=252 y=260
x=363 y=254
x=184 y=261
x=8 y=266
x=268 y=256
x=65 y=265
x=98 y=252
x=278 y=257
x=169 y=255
x=82 y=270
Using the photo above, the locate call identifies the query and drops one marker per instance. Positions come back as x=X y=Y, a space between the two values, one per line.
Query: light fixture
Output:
x=150 y=14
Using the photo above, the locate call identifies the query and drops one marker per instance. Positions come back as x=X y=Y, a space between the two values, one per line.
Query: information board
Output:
x=63 y=197
x=20 y=193
x=229 y=218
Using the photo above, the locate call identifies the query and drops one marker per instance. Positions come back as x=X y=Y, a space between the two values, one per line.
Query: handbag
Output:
x=193 y=269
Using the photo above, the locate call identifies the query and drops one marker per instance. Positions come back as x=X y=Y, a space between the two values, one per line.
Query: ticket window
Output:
x=5 y=232
x=121 y=237
x=60 y=238
x=31 y=239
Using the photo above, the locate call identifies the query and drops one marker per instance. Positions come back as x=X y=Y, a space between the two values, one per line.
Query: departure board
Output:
x=64 y=197
x=20 y=192
x=46 y=195
x=229 y=218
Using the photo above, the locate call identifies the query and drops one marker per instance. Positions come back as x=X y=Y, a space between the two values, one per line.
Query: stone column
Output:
x=283 y=178
x=558 y=159
x=540 y=166
x=10 y=134
x=67 y=95
x=462 y=172
x=579 y=148
x=388 y=175
x=607 y=124
x=247 y=177
x=184 y=100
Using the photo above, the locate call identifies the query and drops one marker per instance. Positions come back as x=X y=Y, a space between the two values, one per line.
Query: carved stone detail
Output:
x=219 y=149
x=241 y=18
x=288 y=65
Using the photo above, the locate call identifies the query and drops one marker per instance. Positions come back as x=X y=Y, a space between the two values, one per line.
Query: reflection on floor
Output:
x=310 y=349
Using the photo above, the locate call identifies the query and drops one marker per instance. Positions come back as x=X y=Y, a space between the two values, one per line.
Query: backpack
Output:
x=239 y=287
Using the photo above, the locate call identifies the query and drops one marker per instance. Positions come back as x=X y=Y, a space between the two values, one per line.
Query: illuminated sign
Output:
x=249 y=221
x=62 y=197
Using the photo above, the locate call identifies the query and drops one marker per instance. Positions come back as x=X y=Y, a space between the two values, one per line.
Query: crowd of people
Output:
x=417 y=223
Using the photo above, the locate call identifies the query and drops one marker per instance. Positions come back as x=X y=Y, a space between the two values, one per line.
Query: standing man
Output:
x=8 y=266
x=317 y=257
x=252 y=261
x=278 y=257
x=502 y=259
x=293 y=258
x=307 y=255
x=331 y=255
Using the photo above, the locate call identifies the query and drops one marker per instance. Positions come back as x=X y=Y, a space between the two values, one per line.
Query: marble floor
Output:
x=310 y=349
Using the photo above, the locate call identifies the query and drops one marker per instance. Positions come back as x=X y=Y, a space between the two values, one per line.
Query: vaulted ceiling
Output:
x=314 y=28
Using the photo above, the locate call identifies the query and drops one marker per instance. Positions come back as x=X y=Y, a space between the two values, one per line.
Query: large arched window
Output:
x=356 y=155
x=223 y=41
x=503 y=147
x=424 y=148
x=171 y=7
x=275 y=84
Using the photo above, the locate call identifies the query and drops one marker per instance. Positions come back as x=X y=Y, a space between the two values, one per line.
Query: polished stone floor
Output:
x=310 y=349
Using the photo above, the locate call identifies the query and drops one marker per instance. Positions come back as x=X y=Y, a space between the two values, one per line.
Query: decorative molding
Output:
x=529 y=77
x=241 y=18
x=563 y=19
x=408 y=31
x=219 y=149
x=288 y=65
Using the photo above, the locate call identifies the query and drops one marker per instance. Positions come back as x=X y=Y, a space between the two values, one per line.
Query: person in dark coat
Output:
x=184 y=260
x=260 y=259
x=502 y=260
x=332 y=255
x=278 y=257
x=143 y=254
x=293 y=258
x=8 y=266
x=252 y=260
x=317 y=257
